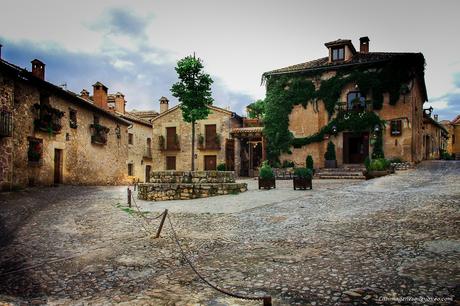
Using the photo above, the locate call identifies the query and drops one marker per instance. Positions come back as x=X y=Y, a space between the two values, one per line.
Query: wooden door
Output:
x=230 y=154
x=57 y=166
x=148 y=169
x=210 y=162
x=210 y=136
x=170 y=138
x=170 y=163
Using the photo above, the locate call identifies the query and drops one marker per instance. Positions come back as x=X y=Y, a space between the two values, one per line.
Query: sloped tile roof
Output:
x=322 y=63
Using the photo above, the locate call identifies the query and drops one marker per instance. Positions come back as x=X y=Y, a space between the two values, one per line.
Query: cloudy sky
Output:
x=132 y=46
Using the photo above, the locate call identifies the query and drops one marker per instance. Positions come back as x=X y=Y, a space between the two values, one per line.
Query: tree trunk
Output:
x=193 y=145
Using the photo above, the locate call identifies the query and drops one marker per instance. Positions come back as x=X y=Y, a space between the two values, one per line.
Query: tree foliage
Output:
x=256 y=110
x=193 y=89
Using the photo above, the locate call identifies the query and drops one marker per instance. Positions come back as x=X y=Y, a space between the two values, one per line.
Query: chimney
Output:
x=100 y=95
x=164 y=104
x=435 y=117
x=84 y=94
x=120 y=102
x=38 y=69
x=364 y=44
x=1 y=51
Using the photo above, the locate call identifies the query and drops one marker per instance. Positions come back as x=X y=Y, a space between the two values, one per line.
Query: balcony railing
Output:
x=99 y=134
x=248 y=122
x=48 y=119
x=6 y=124
x=148 y=152
x=164 y=146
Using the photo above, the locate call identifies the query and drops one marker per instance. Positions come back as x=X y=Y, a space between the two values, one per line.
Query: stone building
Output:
x=140 y=158
x=49 y=135
x=172 y=139
x=434 y=135
x=356 y=99
x=453 y=130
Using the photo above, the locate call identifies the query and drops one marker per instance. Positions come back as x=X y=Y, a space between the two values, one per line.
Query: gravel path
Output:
x=392 y=240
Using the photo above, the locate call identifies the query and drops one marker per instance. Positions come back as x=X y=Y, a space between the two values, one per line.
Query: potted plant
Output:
x=302 y=178
x=221 y=167
x=377 y=167
x=331 y=161
x=309 y=164
x=200 y=141
x=266 y=176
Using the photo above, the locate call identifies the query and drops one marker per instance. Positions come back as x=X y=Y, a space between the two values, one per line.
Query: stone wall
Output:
x=185 y=185
x=83 y=162
x=6 y=143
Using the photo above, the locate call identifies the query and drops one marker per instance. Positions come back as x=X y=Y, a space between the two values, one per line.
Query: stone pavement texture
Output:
x=391 y=240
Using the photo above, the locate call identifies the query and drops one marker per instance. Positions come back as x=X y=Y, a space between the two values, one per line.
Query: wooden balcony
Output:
x=99 y=134
x=148 y=153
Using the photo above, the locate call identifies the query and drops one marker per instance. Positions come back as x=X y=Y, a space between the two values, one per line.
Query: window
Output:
x=6 y=124
x=130 y=138
x=96 y=120
x=170 y=163
x=130 y=170
x=73 y=118
x=34 y=154
x=356 y=101
x=396 y=127
x=338 y=54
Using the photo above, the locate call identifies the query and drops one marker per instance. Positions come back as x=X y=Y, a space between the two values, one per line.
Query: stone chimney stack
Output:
x=120 y=102
x=364 y=44
x=84 y=94
x=435 y=117
x=1 y=51
x=164 y=104
x=38 y=69
x=100 y=95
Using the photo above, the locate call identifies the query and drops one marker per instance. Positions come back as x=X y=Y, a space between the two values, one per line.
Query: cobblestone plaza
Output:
x=389 y=240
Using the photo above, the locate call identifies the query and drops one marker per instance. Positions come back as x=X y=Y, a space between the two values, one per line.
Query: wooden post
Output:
x=129 y=197
x=264 y=153
x=161 y=224
x=267 y=301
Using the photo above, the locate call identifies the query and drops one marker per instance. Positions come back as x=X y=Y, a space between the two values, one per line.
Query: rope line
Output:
x=235 y=295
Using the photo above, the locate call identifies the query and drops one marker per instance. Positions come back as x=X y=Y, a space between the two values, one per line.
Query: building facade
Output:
x=49 y=135
x=172 y=139
x=359 y=100
x=453 y=142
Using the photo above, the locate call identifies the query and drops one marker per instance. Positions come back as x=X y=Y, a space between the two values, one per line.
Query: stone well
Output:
x=185 y=185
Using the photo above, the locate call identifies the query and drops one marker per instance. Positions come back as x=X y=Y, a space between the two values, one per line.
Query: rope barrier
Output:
x=267 y=300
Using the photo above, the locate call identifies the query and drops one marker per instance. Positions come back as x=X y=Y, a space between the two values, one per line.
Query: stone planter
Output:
x=302 y=183
x=330 y=164
x=374 y=174
x=267 y=183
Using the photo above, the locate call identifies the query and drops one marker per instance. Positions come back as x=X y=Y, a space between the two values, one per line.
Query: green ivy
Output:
x=351 y=121
x=287 y=90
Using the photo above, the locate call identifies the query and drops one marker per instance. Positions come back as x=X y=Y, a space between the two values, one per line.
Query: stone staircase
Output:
x=350 y=172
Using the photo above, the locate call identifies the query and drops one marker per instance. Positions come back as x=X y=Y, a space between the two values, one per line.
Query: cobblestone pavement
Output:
x=392 y=240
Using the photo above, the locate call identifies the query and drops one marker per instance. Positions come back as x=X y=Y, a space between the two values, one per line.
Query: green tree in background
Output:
x=256 y=110
x=193 y=92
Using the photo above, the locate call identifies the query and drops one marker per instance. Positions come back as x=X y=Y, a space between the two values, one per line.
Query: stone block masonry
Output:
x=185 y=185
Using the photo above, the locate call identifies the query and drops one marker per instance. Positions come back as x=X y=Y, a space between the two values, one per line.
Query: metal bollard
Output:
x=129 y=197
